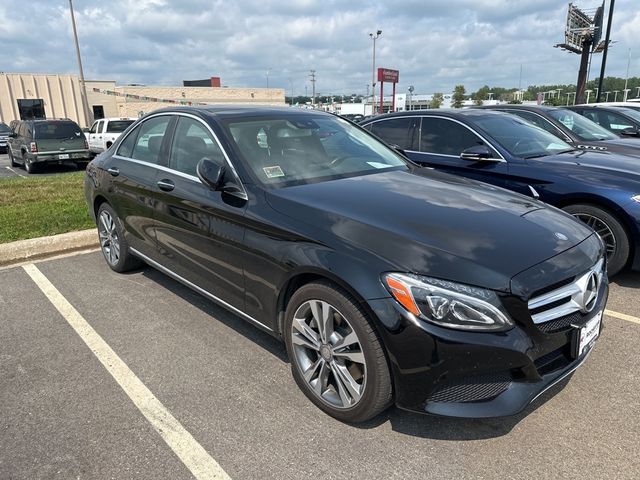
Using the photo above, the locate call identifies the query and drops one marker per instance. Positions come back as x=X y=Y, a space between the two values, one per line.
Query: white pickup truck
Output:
x=104 y=132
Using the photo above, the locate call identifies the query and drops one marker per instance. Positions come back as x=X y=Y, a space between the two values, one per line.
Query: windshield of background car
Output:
x=59 y=130
x=630 y=112
x=117 y=126
x=4 y=128
x=306 y=149
x=521 y=138
x=583 y=128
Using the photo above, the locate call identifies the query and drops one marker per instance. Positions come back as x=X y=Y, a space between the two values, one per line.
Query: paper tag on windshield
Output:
x=273 y=172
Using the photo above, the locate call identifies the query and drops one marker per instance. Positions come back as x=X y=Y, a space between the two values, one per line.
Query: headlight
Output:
x=448 y=304
x=636 y=198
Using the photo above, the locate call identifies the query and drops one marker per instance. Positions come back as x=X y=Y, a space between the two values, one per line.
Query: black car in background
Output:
x=4 y=136
x=387 y=282
x=33 y=143
x=600 y=188
x=573 y=128
x=624 y=122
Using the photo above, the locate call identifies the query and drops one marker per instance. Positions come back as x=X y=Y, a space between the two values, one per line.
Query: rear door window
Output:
x=149 y=140
x=446 y=137
x=397 y=131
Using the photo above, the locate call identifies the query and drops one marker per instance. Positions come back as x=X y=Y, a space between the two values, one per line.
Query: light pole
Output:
x=615 y=95
x=268 y=70
x=568 y=94
x=606 y=98
x=373 y=69
x=588 y=92
x=410 y=96
x=638 y=92
x=83 y=94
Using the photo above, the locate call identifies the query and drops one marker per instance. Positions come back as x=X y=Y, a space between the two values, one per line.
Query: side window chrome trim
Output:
x=158 y=167
x=242 y=194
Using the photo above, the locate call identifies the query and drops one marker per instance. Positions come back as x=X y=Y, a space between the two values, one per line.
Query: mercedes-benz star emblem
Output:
x=590 y=293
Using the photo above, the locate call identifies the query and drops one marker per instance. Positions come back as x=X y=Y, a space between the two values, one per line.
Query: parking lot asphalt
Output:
x=63 y=415
x=7 y=171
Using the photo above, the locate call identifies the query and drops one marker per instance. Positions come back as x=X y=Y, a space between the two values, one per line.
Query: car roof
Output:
x=517 y=106
x=440 y=112
x=239 y=110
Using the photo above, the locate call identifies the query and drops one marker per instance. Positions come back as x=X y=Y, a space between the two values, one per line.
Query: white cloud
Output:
x=435 y=44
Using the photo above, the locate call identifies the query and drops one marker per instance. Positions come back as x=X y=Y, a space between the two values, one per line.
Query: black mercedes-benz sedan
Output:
x=388 y=282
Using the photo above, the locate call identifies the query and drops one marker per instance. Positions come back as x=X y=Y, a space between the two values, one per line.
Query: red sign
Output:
x=387 y=75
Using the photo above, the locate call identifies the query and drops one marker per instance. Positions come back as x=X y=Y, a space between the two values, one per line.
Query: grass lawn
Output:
x=35 y=207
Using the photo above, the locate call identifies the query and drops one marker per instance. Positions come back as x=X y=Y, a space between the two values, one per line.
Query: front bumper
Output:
x=491 y=374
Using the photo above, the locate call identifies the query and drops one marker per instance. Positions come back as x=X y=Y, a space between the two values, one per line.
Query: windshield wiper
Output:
x=537 y=155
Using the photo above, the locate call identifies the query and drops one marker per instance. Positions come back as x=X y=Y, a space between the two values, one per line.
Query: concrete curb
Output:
x=42 y=247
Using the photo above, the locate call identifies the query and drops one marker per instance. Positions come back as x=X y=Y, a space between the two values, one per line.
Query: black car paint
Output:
x=350 y=231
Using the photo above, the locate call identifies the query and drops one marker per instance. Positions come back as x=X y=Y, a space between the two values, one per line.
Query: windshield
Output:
x=4 y=128
x=630 y=112
x=581 y=126
x=60 y=130
x=521 y=138
x=294 y=149
x=117 y=126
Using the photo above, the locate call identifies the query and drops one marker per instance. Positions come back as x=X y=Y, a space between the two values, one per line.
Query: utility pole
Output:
x=83 y=93
x=373 y=70
x=313 y=87
x=606 y=49
x=626 y=80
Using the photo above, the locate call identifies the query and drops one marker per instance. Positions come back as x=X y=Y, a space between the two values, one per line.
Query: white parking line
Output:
x=19 y=174
x=192 y=454
x=622 y=316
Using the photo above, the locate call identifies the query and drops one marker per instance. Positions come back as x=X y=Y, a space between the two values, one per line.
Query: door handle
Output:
x=166 y=185
x=114 y=171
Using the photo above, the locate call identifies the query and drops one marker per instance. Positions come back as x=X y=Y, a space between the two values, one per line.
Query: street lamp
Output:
x=615 y=95
x=410 y=95
x=83 y=94
x=373 y=69
x=268 y=70
x=606 y=98
x=588 y=92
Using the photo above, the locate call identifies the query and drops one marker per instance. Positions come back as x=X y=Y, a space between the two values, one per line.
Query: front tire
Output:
x=610 y=230
x=337 y=358
x=112 y=242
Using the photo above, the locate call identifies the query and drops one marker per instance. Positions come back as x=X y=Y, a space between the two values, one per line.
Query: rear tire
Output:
x=112 y=242
x=12 y=161
x=341 y=366
x=610 y=230
x=29 y=167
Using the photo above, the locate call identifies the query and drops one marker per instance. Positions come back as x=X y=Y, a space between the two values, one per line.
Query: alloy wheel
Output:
x=329 y=354
x=109 y=241
x=602 y=229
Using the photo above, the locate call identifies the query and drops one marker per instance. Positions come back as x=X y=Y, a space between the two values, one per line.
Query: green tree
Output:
x=436 y=100
x=458 y=96
x=481 y=95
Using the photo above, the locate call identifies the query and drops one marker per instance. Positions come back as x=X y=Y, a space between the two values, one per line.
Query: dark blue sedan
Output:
x=600 y=188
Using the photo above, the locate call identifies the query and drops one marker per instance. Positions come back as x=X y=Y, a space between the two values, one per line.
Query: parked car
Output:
x=573 y=128
x=33 y=143
x=600 y=188
x=624 y=122
x=387 y=282
x=105 y=131
x=4 y=135
x=634 y=105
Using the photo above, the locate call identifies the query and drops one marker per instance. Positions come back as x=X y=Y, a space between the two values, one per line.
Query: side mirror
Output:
x=630 y=131
x=210 y=173
x=13 y=135
x=476 y=153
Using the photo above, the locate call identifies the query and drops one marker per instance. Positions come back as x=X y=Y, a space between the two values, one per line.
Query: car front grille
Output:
x=471 y=389
x=556 y=310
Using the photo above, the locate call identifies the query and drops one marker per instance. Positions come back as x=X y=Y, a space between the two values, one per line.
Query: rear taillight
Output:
x=34 y=147
x=86 y=144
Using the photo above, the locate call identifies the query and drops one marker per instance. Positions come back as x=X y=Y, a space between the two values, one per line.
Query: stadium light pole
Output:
x=83 y=93
x=373 y=70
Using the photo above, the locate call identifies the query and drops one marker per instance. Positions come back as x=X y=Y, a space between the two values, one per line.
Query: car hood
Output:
x=621 y=146
x=604 y=161
x=436 y=224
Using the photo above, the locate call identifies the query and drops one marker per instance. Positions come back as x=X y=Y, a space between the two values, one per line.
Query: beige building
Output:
x=59 y=96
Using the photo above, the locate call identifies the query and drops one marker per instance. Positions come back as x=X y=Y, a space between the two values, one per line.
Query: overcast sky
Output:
x=435 y=44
